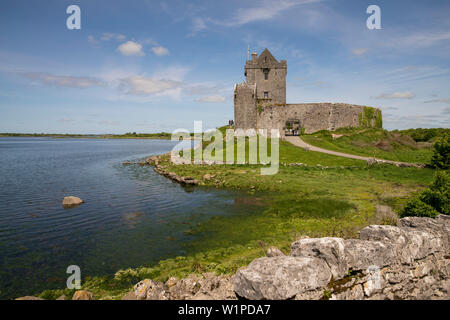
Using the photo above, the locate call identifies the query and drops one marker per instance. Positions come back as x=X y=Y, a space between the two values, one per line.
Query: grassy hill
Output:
x=413 y=145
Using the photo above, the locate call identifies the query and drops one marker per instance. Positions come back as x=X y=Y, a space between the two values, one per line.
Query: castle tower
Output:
x=269 y=75
x=265 y=85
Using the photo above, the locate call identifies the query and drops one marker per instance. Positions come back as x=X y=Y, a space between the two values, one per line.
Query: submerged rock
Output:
x=71 y=201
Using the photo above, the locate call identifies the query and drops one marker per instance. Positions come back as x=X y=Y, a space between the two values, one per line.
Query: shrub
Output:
x=417 y=208
x=440 y=158
x=432 y=201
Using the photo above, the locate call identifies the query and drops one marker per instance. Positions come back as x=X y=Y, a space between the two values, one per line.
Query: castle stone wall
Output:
x=244 y=106
x=313 y=116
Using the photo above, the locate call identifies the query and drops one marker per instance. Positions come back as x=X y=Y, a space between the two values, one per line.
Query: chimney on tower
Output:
x=254 y=56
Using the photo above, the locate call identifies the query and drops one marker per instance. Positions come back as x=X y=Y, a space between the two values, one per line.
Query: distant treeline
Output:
x=424 y=135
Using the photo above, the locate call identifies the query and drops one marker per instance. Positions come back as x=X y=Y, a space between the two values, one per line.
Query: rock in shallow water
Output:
x=71 y=201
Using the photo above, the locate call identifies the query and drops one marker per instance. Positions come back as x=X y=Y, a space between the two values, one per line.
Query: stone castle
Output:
x=260 y=103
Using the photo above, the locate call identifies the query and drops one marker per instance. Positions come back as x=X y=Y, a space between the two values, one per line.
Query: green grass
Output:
x=306 y=200
x=369 y=142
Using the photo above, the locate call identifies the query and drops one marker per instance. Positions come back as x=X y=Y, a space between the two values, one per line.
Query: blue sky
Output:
x=149 y=66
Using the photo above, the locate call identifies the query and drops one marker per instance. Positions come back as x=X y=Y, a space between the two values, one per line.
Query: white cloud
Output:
x=92 y=39
x=141 y=85
x=359 y=51
x=176 y=73
x=63 y=81
x=443 y=100
x=211 y=99
x=131 y=48
x=396 y=95
x=160 y=51
x=267 y=11
x=425 y=39
x=66 y=120
x=388 y=108
x=198 y=24
x=106 y=36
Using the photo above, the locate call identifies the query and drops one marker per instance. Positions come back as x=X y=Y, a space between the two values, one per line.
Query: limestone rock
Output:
x=208 y=286
x=171 y=282
x=71 y=201
x=151 y=290
x=82 y=295
x=310 y=295
x=331 y=250
x=281 y=278
x=274 y=252
x=389 y=234
x=354 y=293
x=435 y=232
x=29 y=298
x=207 y=177
x=362 y=254
x=63 y=297
x=129 y=296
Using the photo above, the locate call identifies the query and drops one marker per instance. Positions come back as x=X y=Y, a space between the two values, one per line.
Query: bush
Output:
x=432 y=201
x=438 y=195
x=417 y=208
x=440 y=158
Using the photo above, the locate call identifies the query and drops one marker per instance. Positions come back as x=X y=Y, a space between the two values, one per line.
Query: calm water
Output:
x=131 y=215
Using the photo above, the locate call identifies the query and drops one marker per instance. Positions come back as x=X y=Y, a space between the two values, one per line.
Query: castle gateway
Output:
x=260 y=103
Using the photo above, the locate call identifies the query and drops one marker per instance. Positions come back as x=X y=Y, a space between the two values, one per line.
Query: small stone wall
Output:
x=410 y=261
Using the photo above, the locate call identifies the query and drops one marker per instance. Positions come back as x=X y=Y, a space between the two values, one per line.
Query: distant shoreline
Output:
x=71 y=136
x=150 y=136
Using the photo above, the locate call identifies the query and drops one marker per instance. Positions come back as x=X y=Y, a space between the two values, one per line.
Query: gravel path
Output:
x=297 y=141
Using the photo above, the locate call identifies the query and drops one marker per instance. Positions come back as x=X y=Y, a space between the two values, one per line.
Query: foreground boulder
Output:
x=71 y=201
x=281 y=277
x=330 y=250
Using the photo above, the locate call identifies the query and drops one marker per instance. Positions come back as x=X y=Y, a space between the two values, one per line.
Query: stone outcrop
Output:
x=408 y=261
x=71 y=201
